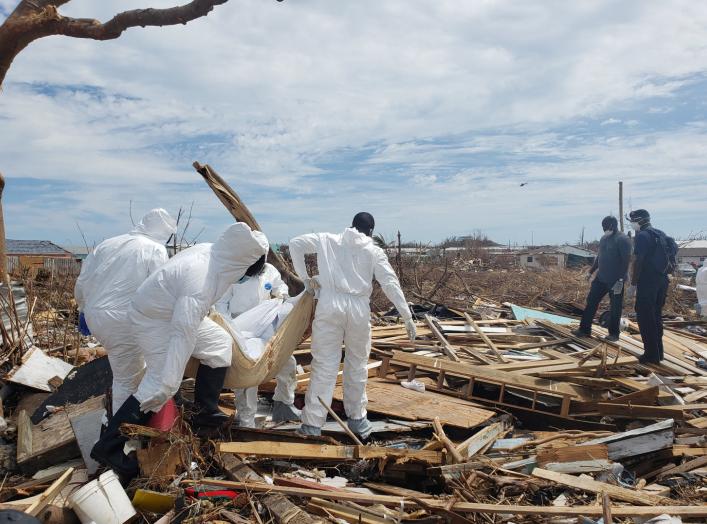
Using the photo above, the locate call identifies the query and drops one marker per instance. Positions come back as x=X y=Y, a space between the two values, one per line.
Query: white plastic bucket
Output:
x=102 y=501
x=118 y=499
x=91 y=506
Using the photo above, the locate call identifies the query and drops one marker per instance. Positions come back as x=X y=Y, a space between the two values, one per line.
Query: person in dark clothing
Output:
x=611 y=266
x=649 y=284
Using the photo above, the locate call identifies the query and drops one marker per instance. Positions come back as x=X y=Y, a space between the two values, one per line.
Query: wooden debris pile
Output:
x=496 y=413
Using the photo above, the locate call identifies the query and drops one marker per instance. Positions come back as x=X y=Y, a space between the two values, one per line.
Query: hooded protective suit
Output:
x=169 y=309
x=347 y=265
x=240 y=298
x=701 y=284
x=109 y=277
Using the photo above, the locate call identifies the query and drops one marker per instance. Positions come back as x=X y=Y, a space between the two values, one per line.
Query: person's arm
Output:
x=279 y=288
x=595 y=265
x=388 y=280
x=640 y=253
x=221 y=305
x=299 y=247
x=624 y=255
x=186 y=317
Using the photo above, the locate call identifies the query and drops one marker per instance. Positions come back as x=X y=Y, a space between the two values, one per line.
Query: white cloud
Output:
x=455 y=102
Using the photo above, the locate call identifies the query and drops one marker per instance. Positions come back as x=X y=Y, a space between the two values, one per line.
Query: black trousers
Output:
x=650 y=299
x=597 y=292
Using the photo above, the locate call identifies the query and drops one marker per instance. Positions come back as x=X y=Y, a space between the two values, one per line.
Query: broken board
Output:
x=396 y=401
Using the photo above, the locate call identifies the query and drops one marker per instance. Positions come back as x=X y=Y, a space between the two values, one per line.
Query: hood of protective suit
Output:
x=234 y=252
x=157 y=224
x=353 y=237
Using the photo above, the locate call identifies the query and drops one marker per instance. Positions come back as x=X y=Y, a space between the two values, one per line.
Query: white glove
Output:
x=631 y=292
x=411 y=329
x=312 y=284
x=155 y=402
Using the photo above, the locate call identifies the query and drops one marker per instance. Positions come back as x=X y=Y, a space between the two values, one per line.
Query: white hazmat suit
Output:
x=347 y=265
x=109 y=278
x=169 y=309
x=242 y=297
x=701 y=284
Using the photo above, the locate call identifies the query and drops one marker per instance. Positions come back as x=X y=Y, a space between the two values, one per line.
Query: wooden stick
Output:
x=446 y=347
x=485 y=338
x=50 y=493
x=448 y=444
x=341 y=422
x=606 y=507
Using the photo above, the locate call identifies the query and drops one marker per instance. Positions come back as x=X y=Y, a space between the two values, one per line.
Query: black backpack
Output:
x=669 y=248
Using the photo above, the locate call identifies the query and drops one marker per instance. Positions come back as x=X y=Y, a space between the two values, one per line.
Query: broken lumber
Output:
x=593 y=486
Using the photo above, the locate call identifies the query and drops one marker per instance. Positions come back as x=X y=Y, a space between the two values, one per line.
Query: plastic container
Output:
x=102 y=501
x=91 y=506
x=166 y=417
x=118 y=499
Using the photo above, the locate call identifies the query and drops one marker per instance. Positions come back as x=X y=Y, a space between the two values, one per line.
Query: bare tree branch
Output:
x=35 y=19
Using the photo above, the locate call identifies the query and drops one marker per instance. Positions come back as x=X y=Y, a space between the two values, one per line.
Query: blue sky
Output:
x=427 y=114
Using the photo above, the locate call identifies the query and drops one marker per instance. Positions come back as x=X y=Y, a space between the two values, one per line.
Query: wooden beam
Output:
x=686 y=467
x=50 y=493
x=481 y=439
x=325 y=451
x=446 y=347
x=593 y=486
x=448 y=444
x=485 y=338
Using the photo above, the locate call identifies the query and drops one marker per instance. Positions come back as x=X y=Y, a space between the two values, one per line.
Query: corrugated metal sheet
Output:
x=18 y=293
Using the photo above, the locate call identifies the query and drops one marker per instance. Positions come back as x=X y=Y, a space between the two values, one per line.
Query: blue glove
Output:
x=83 y=327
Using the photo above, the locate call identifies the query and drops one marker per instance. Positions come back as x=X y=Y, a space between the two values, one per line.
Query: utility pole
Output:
x=400 y=259
x=621 y=205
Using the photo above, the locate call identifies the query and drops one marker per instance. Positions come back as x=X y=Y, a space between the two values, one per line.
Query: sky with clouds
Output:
x=429 y=115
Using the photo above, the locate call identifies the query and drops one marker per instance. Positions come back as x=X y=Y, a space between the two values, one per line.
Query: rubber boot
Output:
x=207 y=389
x=282 y=412
x=309 y=431
x=361 y=427
x=109 y=448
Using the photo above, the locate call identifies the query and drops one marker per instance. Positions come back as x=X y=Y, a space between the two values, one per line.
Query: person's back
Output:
x=614 y=255
x=118 y=266
x=109 y=279
x=350 y=260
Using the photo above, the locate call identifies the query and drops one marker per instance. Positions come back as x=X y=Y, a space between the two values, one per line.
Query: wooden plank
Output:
x=483 y=438
x=646 y=397
x=462 y=507
x=485 y=338
x=50 y=493
x=647 y=412
x=325 y=451
x=686 y=467
x=288 y=450
x=446 y=347
x=593 y=486
x=688 y=451
x=492 y=375
x=571 y=453
x=401 y=403
x=638 y=441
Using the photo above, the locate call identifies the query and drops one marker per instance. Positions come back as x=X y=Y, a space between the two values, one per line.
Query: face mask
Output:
x=607 y=233
x=636 y=226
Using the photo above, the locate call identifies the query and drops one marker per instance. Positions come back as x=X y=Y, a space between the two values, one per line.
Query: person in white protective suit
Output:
x=242 y=297
x=701 y=284
x=347 y=265
x=168 y=317
x=109 y=277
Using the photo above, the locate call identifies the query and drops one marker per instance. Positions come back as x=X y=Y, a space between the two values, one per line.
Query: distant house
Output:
x=556 y=257
x=39 y=254
x=692 y=252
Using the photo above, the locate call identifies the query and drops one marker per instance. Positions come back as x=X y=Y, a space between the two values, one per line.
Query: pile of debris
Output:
x=495 y=414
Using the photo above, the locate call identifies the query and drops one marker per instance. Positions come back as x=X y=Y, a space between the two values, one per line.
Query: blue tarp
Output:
x=521 y=313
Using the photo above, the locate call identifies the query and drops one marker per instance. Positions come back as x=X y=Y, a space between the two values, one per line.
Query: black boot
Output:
x=109 y=448
x=207 y=388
